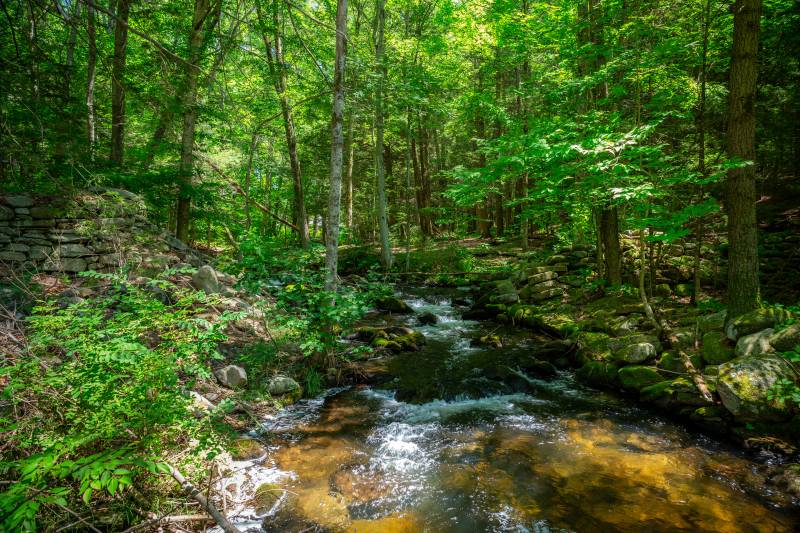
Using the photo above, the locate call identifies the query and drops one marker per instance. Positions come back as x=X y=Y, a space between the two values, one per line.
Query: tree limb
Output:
x=204 y=502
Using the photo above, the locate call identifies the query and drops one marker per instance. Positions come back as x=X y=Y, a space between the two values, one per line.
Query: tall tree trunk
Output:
x=91 y=64
x=277 y=68
x=118 y=83
x=383 y=223
x=425 y=179
x=349 y=187
x=248 y=178
x=740 y=202
x=202 y=10
x=337 y=147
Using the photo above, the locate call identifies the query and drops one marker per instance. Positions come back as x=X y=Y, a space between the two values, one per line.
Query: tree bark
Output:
x=277 y=68
x=202 y=10
x=337 y=147
x=349 y=187
x=91 y=73
x=380 y=174
x=740 y=190
x=118 y=83
x=612 y=255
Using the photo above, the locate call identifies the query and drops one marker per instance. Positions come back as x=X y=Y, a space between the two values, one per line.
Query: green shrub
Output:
x=102 y=397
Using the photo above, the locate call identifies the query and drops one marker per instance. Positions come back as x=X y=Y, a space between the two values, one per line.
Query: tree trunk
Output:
x=118 y=83
x=383 y=223
x=740 y=202
x=349 y=187
x=91 y=63
x=609 y=234
x=277 y=70
x=337 y=147
x=202 y=10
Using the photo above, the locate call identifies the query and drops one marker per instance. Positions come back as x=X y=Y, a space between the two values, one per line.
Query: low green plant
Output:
x=101 y=397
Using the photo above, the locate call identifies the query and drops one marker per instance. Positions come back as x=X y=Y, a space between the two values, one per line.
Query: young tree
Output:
x=118 y=82
x=740 y=190
x=386 y=246
x=337 y=147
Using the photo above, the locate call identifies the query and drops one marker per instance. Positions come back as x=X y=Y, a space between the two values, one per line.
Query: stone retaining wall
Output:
x=89 y=231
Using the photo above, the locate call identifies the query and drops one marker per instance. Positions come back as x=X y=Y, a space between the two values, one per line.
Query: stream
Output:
x=445 y=447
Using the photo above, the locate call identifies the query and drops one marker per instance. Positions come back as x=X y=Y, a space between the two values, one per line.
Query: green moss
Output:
x=636 y=377
x=245 y=448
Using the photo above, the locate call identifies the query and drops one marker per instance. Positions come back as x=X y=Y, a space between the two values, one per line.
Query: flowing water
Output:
x=486 y=457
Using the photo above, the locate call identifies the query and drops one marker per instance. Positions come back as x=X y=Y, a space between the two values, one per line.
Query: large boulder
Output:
x=206 y=280
x=393 y=305
x=231 y=376
x=755 y=344
x=636 y=377
x=745 y=385
x=755 y=321
x=712 y=322
x=786 y=339
x=280 y=385
x=716 y=348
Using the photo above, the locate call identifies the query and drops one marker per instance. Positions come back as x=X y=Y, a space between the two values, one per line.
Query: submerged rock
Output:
x=493 y=341
x=745 y=386
x=427 y=319
x=392 y=304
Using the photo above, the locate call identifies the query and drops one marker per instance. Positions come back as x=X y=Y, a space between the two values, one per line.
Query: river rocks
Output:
x=599 y=374
x=231 y=376
x=393 y=338
x=206 y=280
x=246 y=449
x=712 y=418
x=636 y=377
x=673 y=393
x=671 y=362
x=637 y=352
x=593 y=346
x=492 y=341
x=19 y=200
x=504 y=293
x=755 y=344
x=755 y=321
x=427 y=319
x=786 y=339
x=265 y=497
x=745 y=383
x=280 y=385
x=713 y=322
x=716 y=349
x=393 y=305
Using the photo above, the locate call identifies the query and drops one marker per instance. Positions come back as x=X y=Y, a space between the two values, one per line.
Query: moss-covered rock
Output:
x=393 y=305
x=593 y=346
x=673 y=393
x=599 y=374
x=634 y=353
x=755 y=321
x=246 y=449
x=786 y=339
x=636 y=377
x=672 y=363
x=712 y=418
x=716 y=349
x=745 y=385
x=754 y=344
x=713 y=322
x=663 y=290
x=492 y=341
x=265 y=497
